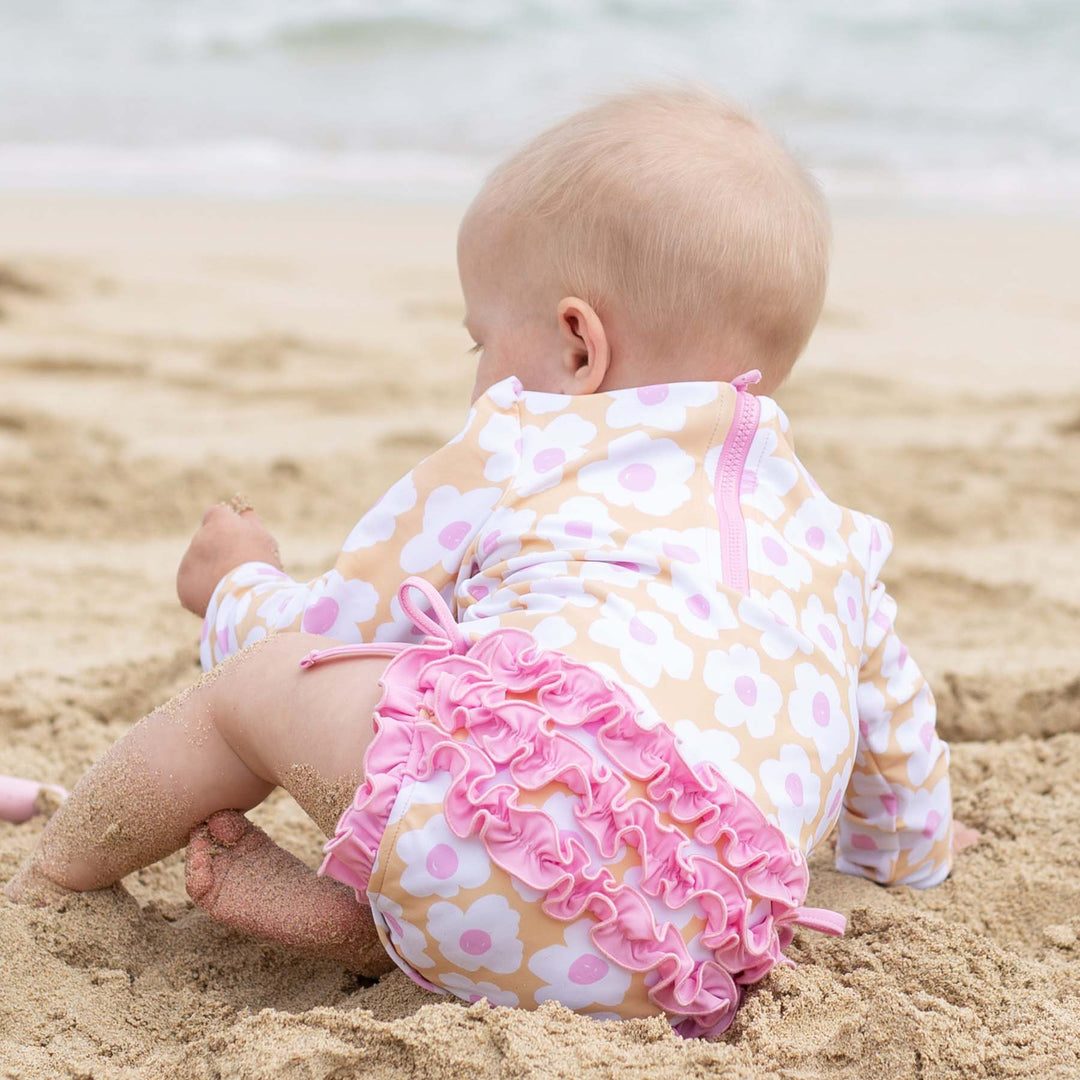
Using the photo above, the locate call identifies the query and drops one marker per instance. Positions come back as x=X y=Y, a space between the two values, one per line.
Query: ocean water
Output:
x=952 y=103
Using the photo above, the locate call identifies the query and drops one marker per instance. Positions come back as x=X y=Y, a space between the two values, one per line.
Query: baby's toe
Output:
x=228 y=827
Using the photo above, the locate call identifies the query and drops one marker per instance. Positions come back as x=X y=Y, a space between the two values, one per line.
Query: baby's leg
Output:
x=257 y=722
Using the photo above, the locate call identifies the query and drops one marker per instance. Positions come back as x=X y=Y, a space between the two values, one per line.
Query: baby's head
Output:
x=661 y=236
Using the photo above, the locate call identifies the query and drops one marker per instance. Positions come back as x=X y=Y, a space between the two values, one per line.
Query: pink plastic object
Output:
x=18 y=797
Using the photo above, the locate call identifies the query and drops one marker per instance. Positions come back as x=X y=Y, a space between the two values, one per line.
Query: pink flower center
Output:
x=478 y=592
x=475 y=942
x=442 y=861
x=587 y=969
x=549 y=459
x=490 y=541
x=640 y=632
x=851 y=609
x=827 y=636
x=890 y=803
x=862 y=842
x=933 y=820
x=395 y=926
x=746 y=690
x=748 y=485
x=815 y=538
x=926 y=734
x=793 y=786
x=698 y=606
x=321 y=615
x=579 y=528
x=820 y=709
x=680 y=553
x=774 y=551
x=454 y=534
x=637 y=477
x=652 y=395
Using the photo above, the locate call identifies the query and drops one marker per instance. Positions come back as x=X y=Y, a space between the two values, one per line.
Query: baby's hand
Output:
x=227 y=538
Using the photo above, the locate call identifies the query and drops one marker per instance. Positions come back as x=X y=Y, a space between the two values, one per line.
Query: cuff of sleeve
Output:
x=218 y=639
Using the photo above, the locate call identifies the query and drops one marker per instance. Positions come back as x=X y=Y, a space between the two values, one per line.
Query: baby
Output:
x=617 y=664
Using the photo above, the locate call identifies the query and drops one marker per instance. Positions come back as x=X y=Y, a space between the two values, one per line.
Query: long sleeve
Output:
x=896 y=825
x=422 y=526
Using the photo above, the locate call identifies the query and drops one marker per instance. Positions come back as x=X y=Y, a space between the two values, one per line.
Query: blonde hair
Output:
x=678 y=207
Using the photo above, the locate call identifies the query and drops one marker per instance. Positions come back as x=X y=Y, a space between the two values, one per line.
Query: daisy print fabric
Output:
x=753 y=624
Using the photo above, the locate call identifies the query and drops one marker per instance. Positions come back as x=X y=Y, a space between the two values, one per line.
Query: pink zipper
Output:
x=729 y=471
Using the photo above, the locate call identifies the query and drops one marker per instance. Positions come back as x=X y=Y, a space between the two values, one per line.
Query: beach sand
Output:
x=157 y=355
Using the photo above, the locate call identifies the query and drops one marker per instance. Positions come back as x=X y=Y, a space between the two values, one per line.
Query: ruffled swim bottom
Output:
x=521 y=836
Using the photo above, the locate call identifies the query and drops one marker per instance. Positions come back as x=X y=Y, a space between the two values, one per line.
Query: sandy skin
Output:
x=184 y=774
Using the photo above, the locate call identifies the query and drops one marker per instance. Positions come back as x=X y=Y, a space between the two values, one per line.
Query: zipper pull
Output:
x=747 y=378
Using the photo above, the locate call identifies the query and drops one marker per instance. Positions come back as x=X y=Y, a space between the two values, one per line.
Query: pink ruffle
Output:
x=520 y=706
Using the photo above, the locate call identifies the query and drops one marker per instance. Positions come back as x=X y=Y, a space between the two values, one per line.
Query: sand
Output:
x=156 y=356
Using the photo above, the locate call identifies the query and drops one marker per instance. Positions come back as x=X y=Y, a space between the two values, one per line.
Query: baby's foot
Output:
x=241 y=878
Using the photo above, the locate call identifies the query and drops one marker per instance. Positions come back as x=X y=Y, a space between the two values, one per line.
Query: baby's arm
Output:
x=424 y=525
x=896 y=827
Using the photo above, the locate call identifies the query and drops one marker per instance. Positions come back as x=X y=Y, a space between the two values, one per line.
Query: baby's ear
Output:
x=585 y=352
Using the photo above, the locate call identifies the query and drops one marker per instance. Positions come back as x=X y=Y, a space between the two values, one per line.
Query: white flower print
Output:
x=877 y=802
x=539 y=403
x=419 y=793
x=581 y=523
x=870 y=545
x=339 y=605
x=678 y=917
x=646 y=716
x=483 y=936
x=439 y=863
x=823 y=629
x=379 y=523
x=256 y=633
x=500 y=536
x=848 y=596
x=648 y=474
x=560 y=808
x=451 y=519
x=505 y=392
x=834 y=802
x=898 y=669
x=815 y=529
x=546 y=451
x=766 y=477
x=775 y=617
x=646 y=642
x=468 y=990
x=794 y=787
x=744 y=696
x=409 y=940
x=927 y=816
x=768 y=553
x=577 y=974
x=873 y=718
x=695 y=601
x=501 y=438
x=283 y=607
x=554 y=632
x=661 y=406
x=817 y=713
x=917 y=737
x=230 y=613
x=400 y=627
x=718 y=748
